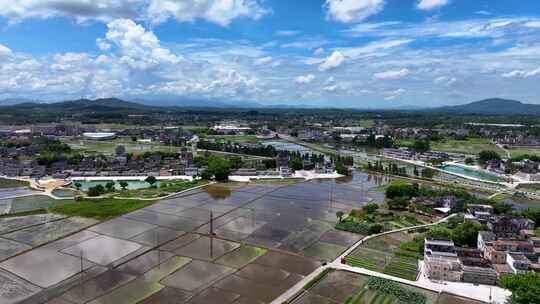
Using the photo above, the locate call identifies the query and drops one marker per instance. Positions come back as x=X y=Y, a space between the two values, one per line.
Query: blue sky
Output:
x=343 y=53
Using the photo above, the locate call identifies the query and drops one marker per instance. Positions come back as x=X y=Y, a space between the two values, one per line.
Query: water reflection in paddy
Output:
x=298 y=218
x=289 y=217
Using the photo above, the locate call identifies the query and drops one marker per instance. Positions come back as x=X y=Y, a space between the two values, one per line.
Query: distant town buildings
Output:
x=231 y=129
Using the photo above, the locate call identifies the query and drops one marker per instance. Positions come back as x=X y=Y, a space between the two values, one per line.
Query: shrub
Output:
x=97 y=190
x=123 y=185
x=376 y=228
x=394 y=289
x=360 y=228
x=342 y=169
x=151 y=180
x=398 y=203
x=399 y=189
x=371 y=207
x=109 y=186
x=350 y=226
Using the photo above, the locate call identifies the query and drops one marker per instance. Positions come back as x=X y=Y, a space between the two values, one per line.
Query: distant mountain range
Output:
x=79 y=106
x=493 y=106
x=115 y=105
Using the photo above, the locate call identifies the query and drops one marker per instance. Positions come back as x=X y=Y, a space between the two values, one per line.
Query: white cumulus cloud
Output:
x=221 y=12
x=319 y=51
x=305 y=79
x=522 y=74
x=533 y=24
x=333 y=61
x=428 y=5
x=348 y=11
x=392 y=74
x=140 y=48
x=4 y=50
x=103 y=44
x=331 y=88
x=104 y=10
x=263 y=60
x=445 y=80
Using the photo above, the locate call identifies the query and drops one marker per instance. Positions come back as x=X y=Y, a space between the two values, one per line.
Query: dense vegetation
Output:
x=400 y=194
x=488 y=155
x=525 y=287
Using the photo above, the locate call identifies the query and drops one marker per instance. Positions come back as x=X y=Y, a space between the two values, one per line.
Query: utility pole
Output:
x=158 y=250
x=82 y=271
x=212 y=223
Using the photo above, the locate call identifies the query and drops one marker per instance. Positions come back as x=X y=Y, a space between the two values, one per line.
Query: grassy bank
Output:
x=165 y=188
x=468 y=146
x=100 y=209
x=12 y=183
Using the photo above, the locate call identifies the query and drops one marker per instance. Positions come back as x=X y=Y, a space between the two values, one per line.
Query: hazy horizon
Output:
x=333 y=53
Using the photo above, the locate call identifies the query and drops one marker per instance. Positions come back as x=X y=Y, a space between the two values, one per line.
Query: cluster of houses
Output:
x=231 y=128
x=407 y=154
x=508 y=247
x=120 y=165
x=172 y=135
x=526 y=169
x=519 y=140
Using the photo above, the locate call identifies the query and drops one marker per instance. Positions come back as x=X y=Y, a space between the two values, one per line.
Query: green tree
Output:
x=400 y=189
x=219 y=167
x=370 y=208
x=525 y=287
x=109 y=186
x=487 y=155
x=466 y=234
x=439 y=232
x=532 y=214
x=78 y=185
x=236 y=162
x=502 y=208
x=421 y=146
x=296 y=164
x=469 y=161
x=151 y=180
x=375 y=228
x=398 y=203
x=428 y=173
x=97 y=190
x=200 y=161
x=342 y=169
x=123 y=185
x=339 y=215
x=206 y=175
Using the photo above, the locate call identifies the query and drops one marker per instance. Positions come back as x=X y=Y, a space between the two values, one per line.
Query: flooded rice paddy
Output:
x=262 y=240
x=28 y=203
